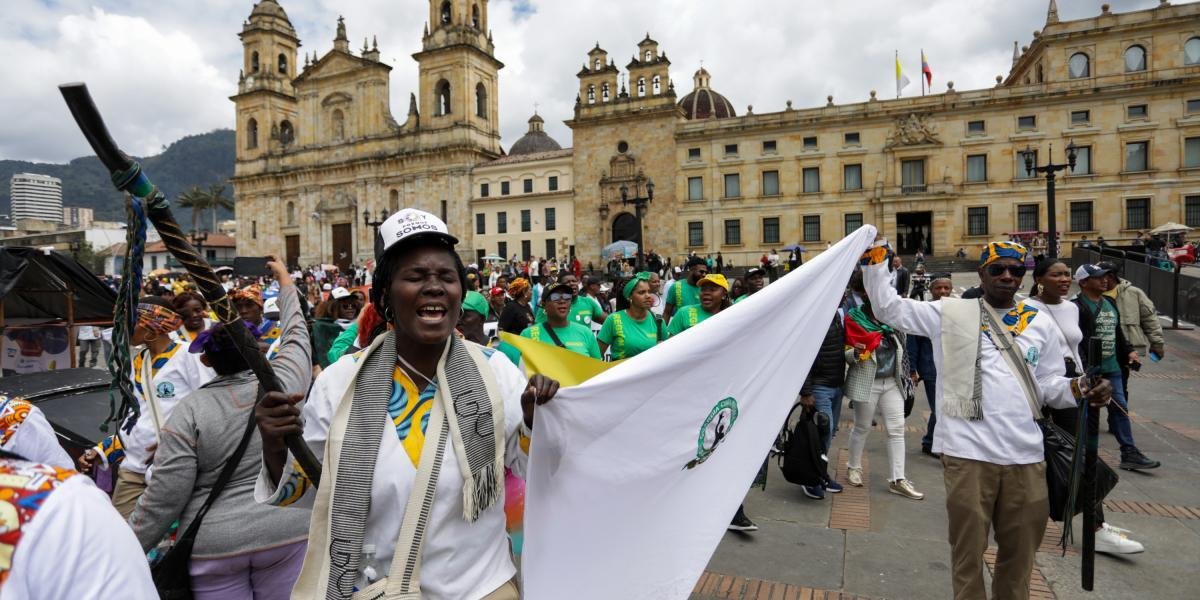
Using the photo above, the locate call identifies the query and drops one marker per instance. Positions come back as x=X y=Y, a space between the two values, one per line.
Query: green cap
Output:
x=476 y=302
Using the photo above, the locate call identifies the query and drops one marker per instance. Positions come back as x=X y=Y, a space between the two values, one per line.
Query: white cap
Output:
x=411 y=222
x=326 y=287
x=271 y=305
x=339 y=292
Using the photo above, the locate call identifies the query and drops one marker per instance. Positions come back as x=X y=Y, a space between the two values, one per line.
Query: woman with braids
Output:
x=414 y=434
x=243 y=550
x=163 y=373
x=1051 y=285
x=634 y=329
x=877 y=380
x=192 y=308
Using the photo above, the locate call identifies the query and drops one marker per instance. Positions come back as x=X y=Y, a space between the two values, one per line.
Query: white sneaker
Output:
x=1113 y=540
x=854 y=475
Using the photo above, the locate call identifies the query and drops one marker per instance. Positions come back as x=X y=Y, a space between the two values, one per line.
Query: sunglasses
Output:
x=561 y=296
x=998 y=270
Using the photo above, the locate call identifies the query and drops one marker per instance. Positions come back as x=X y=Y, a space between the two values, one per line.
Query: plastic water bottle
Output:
x=1154 y=357
x=368 y=560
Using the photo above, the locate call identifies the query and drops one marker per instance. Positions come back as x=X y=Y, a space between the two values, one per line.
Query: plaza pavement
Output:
x=868 y=543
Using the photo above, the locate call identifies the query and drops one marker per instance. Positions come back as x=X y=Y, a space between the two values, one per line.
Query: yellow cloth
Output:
x=565 y=367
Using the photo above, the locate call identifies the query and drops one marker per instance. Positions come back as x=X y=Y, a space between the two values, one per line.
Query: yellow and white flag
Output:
x=901 y=79
x=635 y=473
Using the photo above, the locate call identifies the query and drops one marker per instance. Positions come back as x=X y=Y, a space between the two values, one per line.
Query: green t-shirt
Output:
x=686 y=318
x=1106 y=332
x=584 y=310
x=683 y=293
x=577 y=338
x=740 y=298
x=626 y=336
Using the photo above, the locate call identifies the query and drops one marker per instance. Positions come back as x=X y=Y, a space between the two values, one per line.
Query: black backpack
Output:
x=799 y=449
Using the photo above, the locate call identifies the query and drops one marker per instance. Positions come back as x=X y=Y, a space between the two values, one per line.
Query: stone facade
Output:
x=942 y=171
x=546 y=230
x=318 y=147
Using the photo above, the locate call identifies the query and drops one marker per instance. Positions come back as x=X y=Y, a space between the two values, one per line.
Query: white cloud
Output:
x=161 y=70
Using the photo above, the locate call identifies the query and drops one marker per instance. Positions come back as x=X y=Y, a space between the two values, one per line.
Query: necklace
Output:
x=413 y=370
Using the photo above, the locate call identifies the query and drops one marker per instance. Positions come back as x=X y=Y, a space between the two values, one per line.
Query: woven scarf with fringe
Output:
x=478 y=445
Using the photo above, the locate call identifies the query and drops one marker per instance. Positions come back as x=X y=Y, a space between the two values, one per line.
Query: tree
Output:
x=197 y=200
x=217 y=201
x=87 y=256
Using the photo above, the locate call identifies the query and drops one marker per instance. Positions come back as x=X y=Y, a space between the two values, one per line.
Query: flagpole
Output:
x=922 y=73
x=897 y=67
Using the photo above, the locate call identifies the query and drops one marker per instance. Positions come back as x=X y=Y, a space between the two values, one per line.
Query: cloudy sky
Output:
x=162 y=69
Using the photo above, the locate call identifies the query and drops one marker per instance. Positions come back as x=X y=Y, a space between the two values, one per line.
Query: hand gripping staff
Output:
x=127 y=176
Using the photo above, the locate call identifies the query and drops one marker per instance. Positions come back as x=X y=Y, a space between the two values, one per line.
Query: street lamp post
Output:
x=374 y=225
x=1050 y=169
x=639 y=203
x=198 y=239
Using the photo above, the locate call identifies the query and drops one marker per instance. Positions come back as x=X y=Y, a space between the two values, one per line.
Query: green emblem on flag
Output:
x=714 y=429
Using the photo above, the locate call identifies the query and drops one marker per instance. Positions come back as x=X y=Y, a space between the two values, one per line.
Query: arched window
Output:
x=283 y=64
x=596 y=65
x=641 y=86
x=475 y=16
x=286 y=133
x=290 y=213
x=1135 y=59
x=480 y=101
x=254 y=62
x=252 y=133
x=441 y=96
x=393 y=202
x=657 y=85
x=604 y=92
x=649 y=56
x=1191 y=52
x=591 y=94
x=446 y=12
x=338 y=125
x=1079 y=66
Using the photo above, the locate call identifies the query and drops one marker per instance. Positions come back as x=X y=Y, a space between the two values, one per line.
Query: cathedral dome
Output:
x=703 y=102
x=535 y=140
x=268 y=8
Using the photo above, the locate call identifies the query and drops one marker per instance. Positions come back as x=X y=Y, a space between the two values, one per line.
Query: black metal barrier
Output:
x=1174 y=293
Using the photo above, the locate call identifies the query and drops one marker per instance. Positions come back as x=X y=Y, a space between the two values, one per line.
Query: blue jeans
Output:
x=1117 y=419
x=931 y=394
x=829 y=402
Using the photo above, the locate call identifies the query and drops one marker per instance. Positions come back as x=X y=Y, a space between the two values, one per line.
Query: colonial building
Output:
x=524 y=202
x=318 y=146
x=938 y=172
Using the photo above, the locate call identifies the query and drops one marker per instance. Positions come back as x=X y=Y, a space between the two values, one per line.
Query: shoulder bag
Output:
x=171 y=576
x=1059 y=447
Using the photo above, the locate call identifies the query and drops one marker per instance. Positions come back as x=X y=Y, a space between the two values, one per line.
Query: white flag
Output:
x=901 y=79
x=635 y=474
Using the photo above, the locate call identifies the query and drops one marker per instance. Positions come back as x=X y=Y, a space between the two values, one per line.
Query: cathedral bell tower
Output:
x=266 y=101
x=458 y=74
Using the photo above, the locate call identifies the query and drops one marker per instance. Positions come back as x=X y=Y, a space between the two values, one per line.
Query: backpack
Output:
x=799 y=449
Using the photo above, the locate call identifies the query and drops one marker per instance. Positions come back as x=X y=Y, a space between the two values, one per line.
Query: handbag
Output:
x=1059 y=446
x=800 y=456
x=171 y=577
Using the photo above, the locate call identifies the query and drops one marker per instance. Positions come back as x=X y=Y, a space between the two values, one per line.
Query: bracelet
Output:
x=1079 y=387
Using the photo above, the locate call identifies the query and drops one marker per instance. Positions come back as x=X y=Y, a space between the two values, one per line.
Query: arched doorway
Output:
x=625 y=228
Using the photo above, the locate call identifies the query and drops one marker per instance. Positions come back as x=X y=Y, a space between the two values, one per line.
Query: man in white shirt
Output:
x=89 y=344
x=991 y=446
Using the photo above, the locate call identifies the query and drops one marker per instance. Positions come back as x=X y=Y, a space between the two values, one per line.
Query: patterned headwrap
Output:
x=252 y=293
x=632 y=283
x=518 y=287
x=997 y=250
x=158 y=319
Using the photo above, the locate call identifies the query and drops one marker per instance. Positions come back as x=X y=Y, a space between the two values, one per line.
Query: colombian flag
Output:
x=926 y=71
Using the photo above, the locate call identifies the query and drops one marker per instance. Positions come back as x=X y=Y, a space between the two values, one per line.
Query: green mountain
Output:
x=196 y=160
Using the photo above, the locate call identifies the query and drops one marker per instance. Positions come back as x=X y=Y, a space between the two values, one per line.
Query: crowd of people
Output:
x=414 y=343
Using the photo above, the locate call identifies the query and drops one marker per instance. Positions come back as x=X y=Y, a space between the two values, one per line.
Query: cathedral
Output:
x=320 y=158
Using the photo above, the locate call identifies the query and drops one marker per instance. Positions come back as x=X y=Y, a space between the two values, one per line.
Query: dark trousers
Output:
x=931 y=394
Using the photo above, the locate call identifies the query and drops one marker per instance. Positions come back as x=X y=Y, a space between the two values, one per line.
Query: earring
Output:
x=387 y=314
